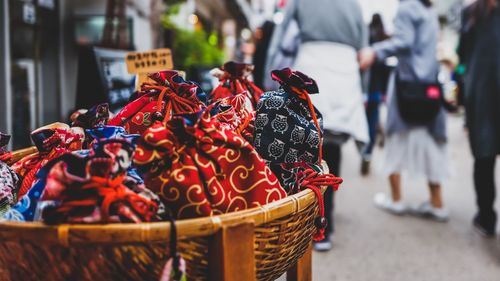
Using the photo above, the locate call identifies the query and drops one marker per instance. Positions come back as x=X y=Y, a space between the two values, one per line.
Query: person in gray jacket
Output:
x=418 y=149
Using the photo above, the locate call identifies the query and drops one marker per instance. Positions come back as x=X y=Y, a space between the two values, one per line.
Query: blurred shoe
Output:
x=365 y=167
x=487 y=232
x=380 y=136
x=385 y=203
x=324 y=245
x=428 y=211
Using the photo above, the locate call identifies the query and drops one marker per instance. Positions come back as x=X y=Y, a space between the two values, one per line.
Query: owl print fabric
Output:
x=286 y=129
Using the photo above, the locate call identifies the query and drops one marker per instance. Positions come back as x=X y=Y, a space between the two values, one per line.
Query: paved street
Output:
x=372 y=245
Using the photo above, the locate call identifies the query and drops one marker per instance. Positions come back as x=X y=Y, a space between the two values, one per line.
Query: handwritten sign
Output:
x=150 y=61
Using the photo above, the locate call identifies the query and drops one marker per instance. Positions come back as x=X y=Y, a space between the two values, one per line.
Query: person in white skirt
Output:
x=419 y=150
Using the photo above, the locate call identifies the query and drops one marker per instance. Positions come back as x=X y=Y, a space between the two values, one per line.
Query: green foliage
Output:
x=173 y=9
x=192 y=49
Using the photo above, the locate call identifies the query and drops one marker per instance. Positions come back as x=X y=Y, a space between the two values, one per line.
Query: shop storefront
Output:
x=29 y=59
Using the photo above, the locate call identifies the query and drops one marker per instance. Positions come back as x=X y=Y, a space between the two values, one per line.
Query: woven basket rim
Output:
x=67 y=234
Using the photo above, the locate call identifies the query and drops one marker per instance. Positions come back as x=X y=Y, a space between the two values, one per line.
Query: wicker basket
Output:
x=277 y=235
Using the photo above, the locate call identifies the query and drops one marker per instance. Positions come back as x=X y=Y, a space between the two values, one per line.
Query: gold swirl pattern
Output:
x=179 y=176
x=140 y=153
x=234 y=206
x=227 y=156
x=243 y=175
x=172 y=194
x=196 y=189
x=215 y=188
x=151 y=138
x=208 y=164
x=211 y=170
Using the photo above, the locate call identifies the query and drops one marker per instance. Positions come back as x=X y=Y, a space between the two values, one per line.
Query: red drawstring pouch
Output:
x=51 y=141
x=170 y=94
x=200 y=169
x=234 y=80
x=96 y=188
x=235 y=113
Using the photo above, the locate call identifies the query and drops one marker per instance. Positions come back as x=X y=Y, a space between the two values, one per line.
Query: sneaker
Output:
x=428 y=211
x=324 y=245
x=487 y=232
x=385 y=203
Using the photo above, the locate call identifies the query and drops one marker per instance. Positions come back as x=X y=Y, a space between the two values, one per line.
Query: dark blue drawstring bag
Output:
x=288 y=127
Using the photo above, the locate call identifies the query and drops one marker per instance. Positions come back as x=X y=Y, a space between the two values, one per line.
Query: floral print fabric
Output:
x=234 y=80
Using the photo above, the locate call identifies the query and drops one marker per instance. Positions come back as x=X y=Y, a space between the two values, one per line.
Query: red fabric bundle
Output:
x=51 y=141
x=94 y=199
x=202 y=170
x=233 y=81
x=169 y=95
x=98 y=187
x=236 y=114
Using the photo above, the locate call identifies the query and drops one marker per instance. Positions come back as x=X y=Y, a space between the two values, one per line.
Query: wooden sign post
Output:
x=142 y=63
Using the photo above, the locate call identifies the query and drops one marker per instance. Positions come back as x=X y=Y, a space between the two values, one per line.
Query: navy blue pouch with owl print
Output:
x=288 y=128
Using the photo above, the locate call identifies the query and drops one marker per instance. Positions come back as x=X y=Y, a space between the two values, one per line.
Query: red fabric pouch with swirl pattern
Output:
x=200 y=169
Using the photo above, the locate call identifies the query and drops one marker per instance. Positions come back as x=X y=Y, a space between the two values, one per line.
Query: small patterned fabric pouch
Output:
x=287 y=125
x=169 y=95
x=234 y=80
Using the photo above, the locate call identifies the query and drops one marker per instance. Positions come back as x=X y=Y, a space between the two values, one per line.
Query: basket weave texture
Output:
x=35 y=251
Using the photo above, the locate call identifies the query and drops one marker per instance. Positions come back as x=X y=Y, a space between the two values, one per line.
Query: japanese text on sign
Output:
x=151 y=61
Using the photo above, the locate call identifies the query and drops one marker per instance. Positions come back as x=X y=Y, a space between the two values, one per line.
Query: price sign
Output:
x=151 y=61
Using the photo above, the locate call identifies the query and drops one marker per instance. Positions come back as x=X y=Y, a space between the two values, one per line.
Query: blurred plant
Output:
x=173 y=8
x=191 y=49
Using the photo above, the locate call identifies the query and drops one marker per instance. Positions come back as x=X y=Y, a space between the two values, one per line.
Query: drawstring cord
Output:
x=174 y=103
x=302 y=94
x=112 y=191
x=314 y=181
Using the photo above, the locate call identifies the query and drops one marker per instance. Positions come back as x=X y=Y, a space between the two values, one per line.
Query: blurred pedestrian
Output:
x=377 y=86
x=263 y=37
x=331 y=33
x=480 y=52
x=416 y=148
x=282 y=53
